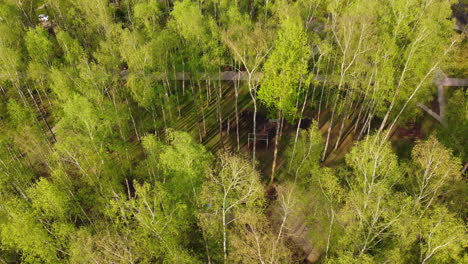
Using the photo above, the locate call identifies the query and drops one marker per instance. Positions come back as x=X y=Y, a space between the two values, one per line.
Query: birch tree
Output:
x=229 y=191
x=437 y=168
x=154 y=222
x=371 y=208
x=250 y=44
x=430 y=33
x=442 y=237
x=255 y=240
x=435 y=237
x=285 y=67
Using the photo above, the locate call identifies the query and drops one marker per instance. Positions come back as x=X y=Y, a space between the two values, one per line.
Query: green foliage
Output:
x=436 y=169
x=373 y=162
x=189 y=21
x=10 y=26
x=453 y=135
x=143 y=90
x=15 y=175
x=61 y=83
x=103 y=247
x=23 y=232
x=49 y=200
x=304 y=157
x=443 y=237
x=25 y=131
x=254 y=240
x=154 y=224
x=97 y=162
x=95 y=13
x=107 y=53
x=19 y=114
x=228 y=193
x=147 y=16
x=286 y=67
x=11 y=42
x=73 y=52
x=39 y=46
x=184 y=164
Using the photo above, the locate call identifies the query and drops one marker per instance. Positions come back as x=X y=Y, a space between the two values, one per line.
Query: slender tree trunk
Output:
x=275 y=153
x=195 y=101
x=42 y=116
x=366 y=124
x=329 y=233
x=208 y=91
x=167 y=97
x=328 y=133
x=343 y=70
x=365 y=101
x=254 y=131
x=324 y=83
x=112 y=96
x=297 y=130
x=207 y=248
x=286 y=207
x=202 y=108
x=220 y=118
x=254 y=99
x=153 y=115
x=416 y=89
x=397 y=91
x=220 y=108
x=344 y=118
x=266 y=9
x=176 y=90
x=224 y=231
x=178 y=104
x=236 y=91
x=340 y=133
x=347 y=114
x=133 y=122
x=363 y=106
x=183 y=78
x=163 y=111
x=342 y=75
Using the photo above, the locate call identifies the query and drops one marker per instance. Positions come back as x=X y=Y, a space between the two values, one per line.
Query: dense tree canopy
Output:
x=233 y=131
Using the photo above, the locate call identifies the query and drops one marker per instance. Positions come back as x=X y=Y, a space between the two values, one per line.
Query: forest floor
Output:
x=226 y=139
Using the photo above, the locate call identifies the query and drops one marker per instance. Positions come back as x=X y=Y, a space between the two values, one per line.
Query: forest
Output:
x=233 y=131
